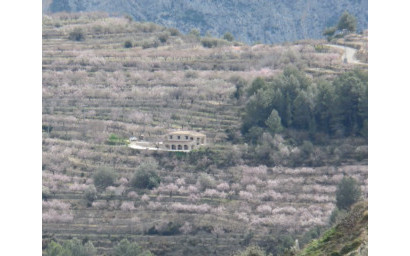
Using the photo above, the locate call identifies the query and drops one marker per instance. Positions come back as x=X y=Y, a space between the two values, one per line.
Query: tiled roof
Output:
x=191 y=133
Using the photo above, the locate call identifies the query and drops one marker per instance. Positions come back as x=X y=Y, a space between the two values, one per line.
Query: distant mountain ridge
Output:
x=267 y=21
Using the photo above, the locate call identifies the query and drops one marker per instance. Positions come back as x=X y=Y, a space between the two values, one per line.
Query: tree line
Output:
x=294 y=101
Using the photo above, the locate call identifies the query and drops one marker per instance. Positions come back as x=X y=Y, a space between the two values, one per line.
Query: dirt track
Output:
x=348 y=54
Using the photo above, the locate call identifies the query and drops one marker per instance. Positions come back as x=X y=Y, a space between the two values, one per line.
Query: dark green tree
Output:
x=240 y=84
x=257 y=110
x=257 y=84
x=350 y=110
x=348 y=22
x=145 y=176
x=325 y=101
x=347 y=193
x=274 y=122
x=329 y=32
x=303 y=111
x=104 y=177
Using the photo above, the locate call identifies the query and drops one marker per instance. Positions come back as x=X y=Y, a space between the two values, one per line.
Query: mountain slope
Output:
x=349 y=237
x=249 y=21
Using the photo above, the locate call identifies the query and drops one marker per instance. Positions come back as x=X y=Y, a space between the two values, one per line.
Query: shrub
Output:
x=150 y=44
x=78 y=249
x=350 y=247
x=329 y=32
x=128 y=44
x=321 y=48
x=252 y=251
x=104 y=177
x=128 y=18
x=348 y=192
x=55 y=249
x=228 y=37
x=90 y=195
x=71 y=247
x=77 y=35
x=163 y=37
x=206 y=181
x=45 y=193
x=174 y=32
x=125 y=248
x=336 y=216
x=209 y=42
x=191 y=74
x=145 y=177
x=195 y=32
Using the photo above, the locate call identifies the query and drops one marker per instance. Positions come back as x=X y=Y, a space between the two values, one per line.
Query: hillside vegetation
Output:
x=249 y=21
x=349 y=237
x=106 y=79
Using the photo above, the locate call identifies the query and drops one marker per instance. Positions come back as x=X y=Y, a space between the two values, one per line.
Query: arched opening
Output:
x=173 y=147
x=179 y=147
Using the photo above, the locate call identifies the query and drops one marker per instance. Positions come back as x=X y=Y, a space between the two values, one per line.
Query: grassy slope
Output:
x=349 y=237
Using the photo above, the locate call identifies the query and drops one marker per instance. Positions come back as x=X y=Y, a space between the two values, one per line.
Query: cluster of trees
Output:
x=75 y=247
x=347 y=22
x=144 y=177
x=294 y=101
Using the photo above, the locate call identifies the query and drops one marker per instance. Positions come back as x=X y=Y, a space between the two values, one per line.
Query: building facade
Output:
x=183 y=140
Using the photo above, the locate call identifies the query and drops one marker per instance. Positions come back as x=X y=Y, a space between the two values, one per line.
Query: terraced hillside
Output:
x=98 y=90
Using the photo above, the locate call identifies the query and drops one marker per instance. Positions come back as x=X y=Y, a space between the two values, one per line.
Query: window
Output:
x=173 y=147
x=192 y=138
x=170 y=137
x=192 y=147
x=179 y=147
x=186 y=137
x=185 y=147
x=179 y=137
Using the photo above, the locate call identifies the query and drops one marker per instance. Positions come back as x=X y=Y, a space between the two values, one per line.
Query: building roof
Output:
x=191 y=133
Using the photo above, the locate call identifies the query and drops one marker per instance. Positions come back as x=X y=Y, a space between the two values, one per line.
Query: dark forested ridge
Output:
x=249 y=21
